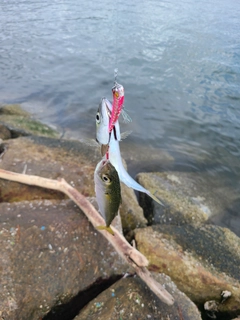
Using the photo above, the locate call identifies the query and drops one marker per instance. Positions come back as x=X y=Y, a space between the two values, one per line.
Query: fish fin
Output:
x=126 y=117
x=125 y=134
x=104 y=149
x=152 y=195
x=108 y=229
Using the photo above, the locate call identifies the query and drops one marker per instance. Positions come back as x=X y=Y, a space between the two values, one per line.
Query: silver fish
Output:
x=108 y=192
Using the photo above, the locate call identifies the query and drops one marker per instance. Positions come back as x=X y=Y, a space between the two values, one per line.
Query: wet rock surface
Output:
x=49 y=253
x=202 y=261
x=129 y=298
x=189 y=198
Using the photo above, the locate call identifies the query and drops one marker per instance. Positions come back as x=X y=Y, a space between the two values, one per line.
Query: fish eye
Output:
x=98 y=117
x=105 y=178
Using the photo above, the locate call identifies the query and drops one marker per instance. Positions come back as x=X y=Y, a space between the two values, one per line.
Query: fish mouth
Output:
x=108 y=111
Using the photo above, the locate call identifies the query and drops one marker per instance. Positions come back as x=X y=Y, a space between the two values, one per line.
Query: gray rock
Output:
x=49 y=253
x=202 y=261
x=131 y=212
x=47 y=158
x=189 y=198
x=129 y=298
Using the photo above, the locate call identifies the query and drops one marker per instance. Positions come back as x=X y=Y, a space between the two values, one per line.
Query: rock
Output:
x=13 y=110
x=52 y=158
x=189 y=198
x=5 y=133
x=47 y=158
x=229 y=214
x=49 y=253
x=202 y=261
x=130 y=298
x=21 y=123
x=131 y=212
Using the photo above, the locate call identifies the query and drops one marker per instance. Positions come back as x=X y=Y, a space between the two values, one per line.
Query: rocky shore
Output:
x=55 y=265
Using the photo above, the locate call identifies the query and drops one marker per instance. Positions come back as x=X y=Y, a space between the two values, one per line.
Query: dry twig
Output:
x=132 y=256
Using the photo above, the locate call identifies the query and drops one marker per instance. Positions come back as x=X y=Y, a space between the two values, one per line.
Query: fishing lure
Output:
x=118 y=100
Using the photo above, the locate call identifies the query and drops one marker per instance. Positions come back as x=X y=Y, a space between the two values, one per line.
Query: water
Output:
x=178 y=61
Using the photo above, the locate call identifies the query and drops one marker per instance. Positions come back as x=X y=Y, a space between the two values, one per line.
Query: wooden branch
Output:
x=132 y=256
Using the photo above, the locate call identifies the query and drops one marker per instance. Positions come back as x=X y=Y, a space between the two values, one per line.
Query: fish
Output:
x=117 y=105
x=114 y=156
x=102 y=124
x=108 y=192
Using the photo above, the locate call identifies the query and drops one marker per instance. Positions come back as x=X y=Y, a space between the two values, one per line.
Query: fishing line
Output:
x=115 y=15
x=115 y=74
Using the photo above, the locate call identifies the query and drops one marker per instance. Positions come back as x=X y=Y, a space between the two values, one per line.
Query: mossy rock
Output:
x=13 y=110
x=20 y=122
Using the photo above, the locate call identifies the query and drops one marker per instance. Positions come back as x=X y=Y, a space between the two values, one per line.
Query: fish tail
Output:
x=108 y=229
x=152 y=195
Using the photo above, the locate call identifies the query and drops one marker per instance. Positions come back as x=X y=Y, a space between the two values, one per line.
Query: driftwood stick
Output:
x=118 y=241
x=155 y=286
x=132 y=256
